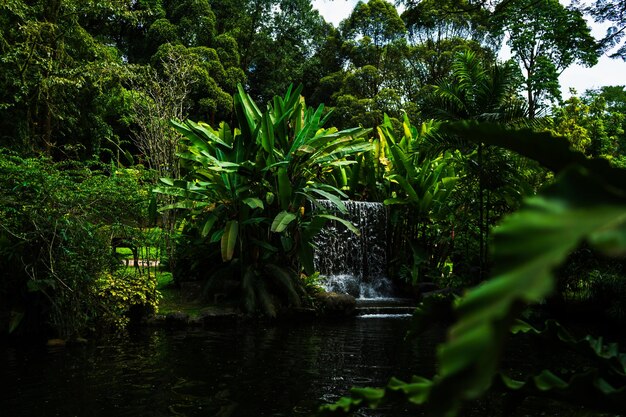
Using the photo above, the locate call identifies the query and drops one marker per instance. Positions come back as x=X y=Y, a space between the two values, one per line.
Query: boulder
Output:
x=335 y=305
x=176 y=319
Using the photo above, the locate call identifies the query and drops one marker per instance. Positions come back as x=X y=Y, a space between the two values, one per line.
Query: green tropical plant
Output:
x=481 y=91
x=364 y=180
x=586 y=202
x=421 y=187
x=254 y=189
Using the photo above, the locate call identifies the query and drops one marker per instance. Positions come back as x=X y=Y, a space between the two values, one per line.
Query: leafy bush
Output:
x=124 y=290
x=420 y=201
x=247 y=191
x=592 y=285
x=55 y=240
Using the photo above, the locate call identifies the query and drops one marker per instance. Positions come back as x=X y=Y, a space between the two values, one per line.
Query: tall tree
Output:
x=376 y=22
x=188 y=29
x=480 y=91
x=434 y=21
x=546 y=38
x=281 y=42
x=614 y=13
x=370 y=83
x=287 y=49
x=55 y=76
x=438 y=30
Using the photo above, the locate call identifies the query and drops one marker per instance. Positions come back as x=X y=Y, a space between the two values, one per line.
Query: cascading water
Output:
x=355 y=264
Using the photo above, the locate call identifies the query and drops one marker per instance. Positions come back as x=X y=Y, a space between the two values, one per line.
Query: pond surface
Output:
x=239 y=371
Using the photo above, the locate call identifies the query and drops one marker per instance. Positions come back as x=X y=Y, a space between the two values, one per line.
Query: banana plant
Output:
x=422 y=186
x=254 y=188
x=365 y=178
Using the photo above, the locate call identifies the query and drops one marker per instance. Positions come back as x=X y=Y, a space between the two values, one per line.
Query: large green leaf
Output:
x=229 y=239
x=247 y=112
x=331 y=197
x=284 y=188
x=527 y=247
x=253 y=202
x=267 y=137
x=281 y=221
x=15 y=319
x=586 y=389
x=605 y=355
x=208 y=225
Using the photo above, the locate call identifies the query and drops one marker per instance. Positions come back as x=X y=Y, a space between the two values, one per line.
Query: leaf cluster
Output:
x=586 y=201
x=54 y=240
x=254 y=188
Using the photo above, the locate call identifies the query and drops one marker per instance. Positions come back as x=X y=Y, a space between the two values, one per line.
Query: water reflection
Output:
x=281 y=370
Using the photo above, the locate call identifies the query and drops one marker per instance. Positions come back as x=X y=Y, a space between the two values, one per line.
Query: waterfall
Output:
x=355 y=264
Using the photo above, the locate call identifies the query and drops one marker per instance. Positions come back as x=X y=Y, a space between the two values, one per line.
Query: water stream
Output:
x=352 y=264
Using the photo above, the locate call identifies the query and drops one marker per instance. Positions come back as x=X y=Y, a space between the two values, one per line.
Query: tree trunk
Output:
x=481 y=213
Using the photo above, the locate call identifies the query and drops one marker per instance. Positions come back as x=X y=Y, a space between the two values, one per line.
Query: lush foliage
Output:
x=254 y=189
x=585 y=202
x=125 y=293
x=422 y=186
x=495 y=181
x=87 y=87
x=594 y=123
x=55 y=240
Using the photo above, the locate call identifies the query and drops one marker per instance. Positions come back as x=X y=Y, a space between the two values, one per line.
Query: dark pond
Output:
x=281 y=370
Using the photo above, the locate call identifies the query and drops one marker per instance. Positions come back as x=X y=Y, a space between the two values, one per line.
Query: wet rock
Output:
x=336 y=305
x=423 y=287
x=176 y=319
x=210 y=315
x=56 y=342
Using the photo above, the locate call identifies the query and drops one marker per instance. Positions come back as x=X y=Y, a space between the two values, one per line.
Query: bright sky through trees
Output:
x=607 y=72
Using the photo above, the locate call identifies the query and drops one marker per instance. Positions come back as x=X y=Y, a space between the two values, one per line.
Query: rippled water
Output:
x=281 y=370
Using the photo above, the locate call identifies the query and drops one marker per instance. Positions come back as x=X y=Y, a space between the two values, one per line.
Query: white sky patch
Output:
x=607 y=72
x=334 y=11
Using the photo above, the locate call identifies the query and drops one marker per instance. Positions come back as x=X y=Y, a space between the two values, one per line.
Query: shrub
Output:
x=124 y=291
x=55 y=240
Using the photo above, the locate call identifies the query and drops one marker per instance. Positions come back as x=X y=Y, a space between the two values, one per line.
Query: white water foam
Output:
x=352 y=264
x=384 y=316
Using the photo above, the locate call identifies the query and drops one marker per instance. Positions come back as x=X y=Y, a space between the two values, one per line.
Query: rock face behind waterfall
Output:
x=352 y=264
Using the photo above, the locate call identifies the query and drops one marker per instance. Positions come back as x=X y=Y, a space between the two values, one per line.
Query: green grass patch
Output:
x=164 y=279
x=172 y=300
x=150 y=252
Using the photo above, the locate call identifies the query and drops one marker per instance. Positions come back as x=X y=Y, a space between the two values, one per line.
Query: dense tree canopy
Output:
x=55 y=75
x=546 y=38
x=98 y=82
x=68 y=67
